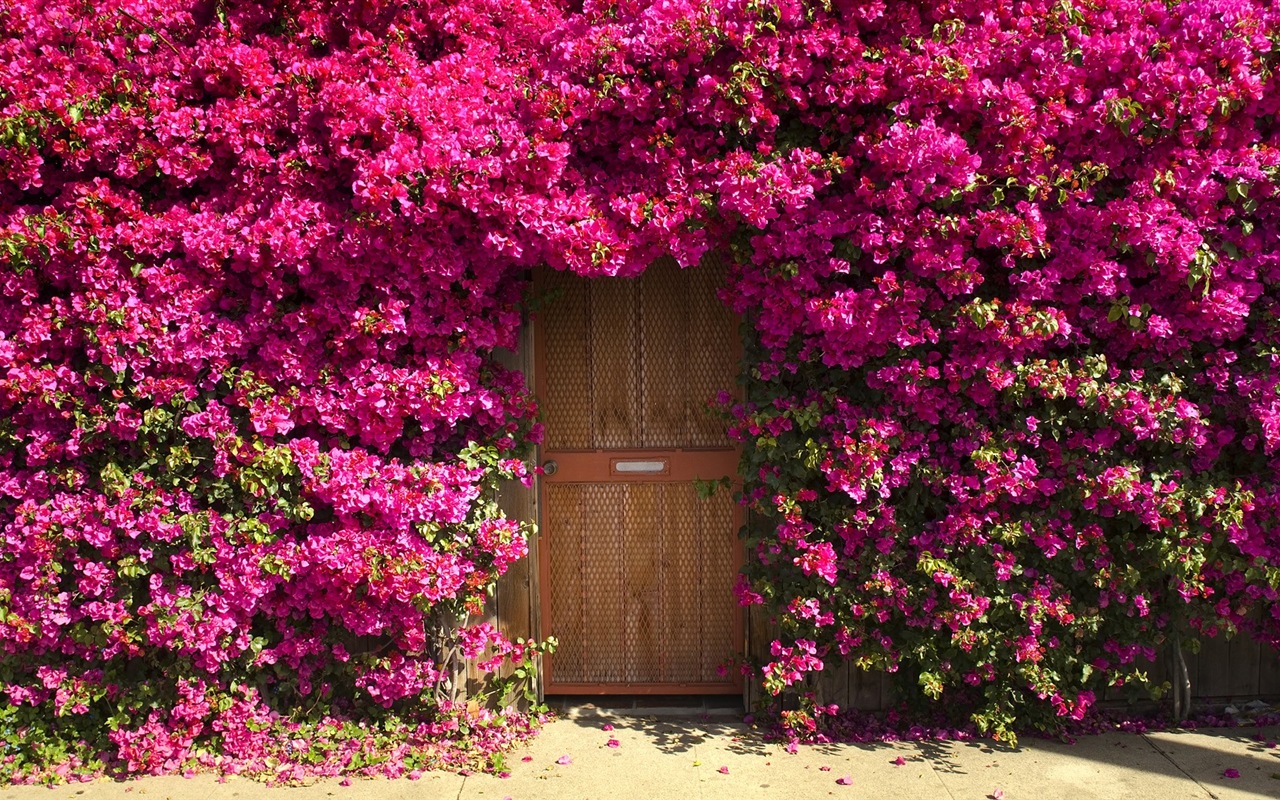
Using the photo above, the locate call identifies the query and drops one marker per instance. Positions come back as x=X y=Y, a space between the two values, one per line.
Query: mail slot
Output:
x=651 y=466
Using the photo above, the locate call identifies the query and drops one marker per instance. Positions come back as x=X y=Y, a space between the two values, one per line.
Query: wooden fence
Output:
x=1224 y=671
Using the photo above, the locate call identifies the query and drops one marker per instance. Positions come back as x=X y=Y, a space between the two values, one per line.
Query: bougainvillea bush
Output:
x=254 y=264
x=1008 y=273
x=1013 y=413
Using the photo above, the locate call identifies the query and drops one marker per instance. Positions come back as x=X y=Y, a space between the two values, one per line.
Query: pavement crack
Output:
x=1178 y=766
x=462 y=788
x=938 y=777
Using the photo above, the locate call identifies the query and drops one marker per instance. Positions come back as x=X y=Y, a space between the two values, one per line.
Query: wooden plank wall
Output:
x=514 y=607
x=1224 y=671
x=844 y=684
x=1235 y=670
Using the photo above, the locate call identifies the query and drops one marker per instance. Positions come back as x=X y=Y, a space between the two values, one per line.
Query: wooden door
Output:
x=637 y=566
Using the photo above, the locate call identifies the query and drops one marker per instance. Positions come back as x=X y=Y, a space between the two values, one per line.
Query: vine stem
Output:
x=1182 y=684
x=160 y=34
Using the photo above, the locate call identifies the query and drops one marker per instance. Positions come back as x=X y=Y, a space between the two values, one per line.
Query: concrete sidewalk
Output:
x=658 y=757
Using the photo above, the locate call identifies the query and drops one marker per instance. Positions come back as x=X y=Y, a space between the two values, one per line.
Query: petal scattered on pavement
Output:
x=723 y=770
x=612 y=742
x=564 y=761
x=845 y=780
x=1231 y=772
x=899 y=761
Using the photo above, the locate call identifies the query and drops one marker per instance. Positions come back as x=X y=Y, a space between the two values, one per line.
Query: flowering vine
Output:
x=1009 y=426
x=1012 y=416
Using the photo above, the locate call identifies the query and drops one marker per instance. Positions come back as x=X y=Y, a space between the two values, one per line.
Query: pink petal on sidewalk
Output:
x=824 y=768
x=606 y=727
x=564 y=761
x=527 y=759
x=998 y=794
x=846 y=780
x=612 y=743
x=723 y=770
x=899 y=761
x=1231 y=773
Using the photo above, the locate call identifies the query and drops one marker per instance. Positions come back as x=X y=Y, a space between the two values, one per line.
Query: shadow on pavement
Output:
x=1234 y=759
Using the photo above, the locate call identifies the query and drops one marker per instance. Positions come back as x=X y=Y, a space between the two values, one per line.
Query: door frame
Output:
x=597 y=464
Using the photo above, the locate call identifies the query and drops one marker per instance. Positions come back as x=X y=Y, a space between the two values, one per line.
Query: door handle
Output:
x=549 y=467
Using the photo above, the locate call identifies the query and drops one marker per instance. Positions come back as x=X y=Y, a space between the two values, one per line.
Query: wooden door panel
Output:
x=715 y=538
x=602 y=570
x=681 y=555
x=565 y=395
x=615 y=389
x=641 y=584
x=665 y=336
x=713 y=331
x=563 y=513
x=637 y=567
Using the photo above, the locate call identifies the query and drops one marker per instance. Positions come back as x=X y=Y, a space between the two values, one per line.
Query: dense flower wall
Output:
x=255 y=259
x=1009 y=273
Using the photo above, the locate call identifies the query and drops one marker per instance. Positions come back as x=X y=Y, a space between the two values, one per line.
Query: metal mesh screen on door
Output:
x=639 y=572
x=604 y=392
x=638 y=567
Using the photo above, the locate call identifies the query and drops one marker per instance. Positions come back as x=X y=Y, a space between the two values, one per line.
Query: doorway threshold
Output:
x=719 y=707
